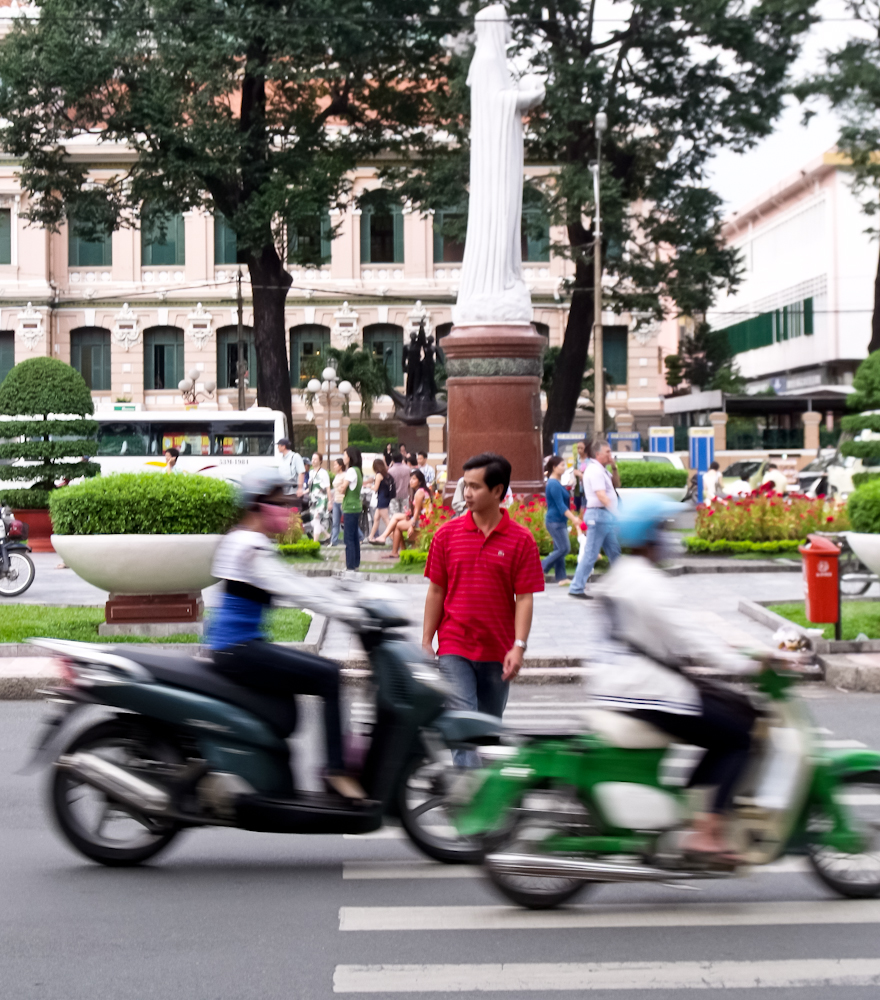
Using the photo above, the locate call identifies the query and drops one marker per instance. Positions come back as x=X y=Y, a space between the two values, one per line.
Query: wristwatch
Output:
x=523 y=645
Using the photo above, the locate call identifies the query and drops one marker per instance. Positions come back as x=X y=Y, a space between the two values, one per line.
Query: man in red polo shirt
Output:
x=483 y=570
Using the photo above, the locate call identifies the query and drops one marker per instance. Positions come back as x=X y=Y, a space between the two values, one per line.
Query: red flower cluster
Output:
x=765 y=516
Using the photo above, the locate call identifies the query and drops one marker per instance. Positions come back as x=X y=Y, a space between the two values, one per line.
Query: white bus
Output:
x=211 y=442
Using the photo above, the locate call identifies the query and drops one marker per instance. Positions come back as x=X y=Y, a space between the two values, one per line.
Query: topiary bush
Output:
x=358 y=433
x=145 y=503
x=51 y=401
x=656 y=475
x=866 y=398
x=864 y=508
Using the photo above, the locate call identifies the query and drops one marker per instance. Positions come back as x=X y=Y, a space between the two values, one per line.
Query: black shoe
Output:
x=582 y=596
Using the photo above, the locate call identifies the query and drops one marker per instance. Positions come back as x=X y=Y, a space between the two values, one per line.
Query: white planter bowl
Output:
x=867 y=548
x=140 y=564
x=674 y=493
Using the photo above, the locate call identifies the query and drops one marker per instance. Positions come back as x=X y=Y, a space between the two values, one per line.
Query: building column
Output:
x=624 y=423
x=719 y=426
x=436 y=448
x=811 y=422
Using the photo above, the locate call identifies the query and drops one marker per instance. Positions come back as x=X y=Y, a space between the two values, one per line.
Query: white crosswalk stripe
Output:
x=545 y=976
x=482 y=918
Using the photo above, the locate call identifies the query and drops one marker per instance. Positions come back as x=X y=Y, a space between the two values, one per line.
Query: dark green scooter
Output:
x=184 y=747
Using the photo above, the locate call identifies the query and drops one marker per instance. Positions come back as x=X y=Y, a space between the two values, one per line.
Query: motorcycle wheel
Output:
x=851 y=566
x=422 y=801
x=19 y=577
x=109 y=832
x=536 y=892
x=856 y=876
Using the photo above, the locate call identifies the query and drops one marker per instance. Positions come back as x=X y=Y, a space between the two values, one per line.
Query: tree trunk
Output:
x=875 y=319
x=269 y=285
x=568 y=373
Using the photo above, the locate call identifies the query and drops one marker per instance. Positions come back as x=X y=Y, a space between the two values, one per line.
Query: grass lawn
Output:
x=760 y=555
x=21 y=621
x=858 y=616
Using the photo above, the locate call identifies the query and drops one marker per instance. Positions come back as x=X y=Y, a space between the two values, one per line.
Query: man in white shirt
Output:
x=711 y=483
x=292 y=468
x=601 y=481
x=427 y=470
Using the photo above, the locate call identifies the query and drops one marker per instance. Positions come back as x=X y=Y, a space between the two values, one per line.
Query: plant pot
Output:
x=39 y=527
x=867 y=547
x=141 y=564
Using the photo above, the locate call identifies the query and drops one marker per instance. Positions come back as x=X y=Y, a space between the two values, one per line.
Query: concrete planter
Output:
x=140 y=564
x=674 y=493
x=866 y=547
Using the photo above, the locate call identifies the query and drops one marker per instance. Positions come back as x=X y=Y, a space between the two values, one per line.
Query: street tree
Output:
x=704 y=361
x=254 y=110
x=850 y=81
x=678 y=79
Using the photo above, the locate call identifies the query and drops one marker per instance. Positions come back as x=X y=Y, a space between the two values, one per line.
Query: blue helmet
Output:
x=640 y=519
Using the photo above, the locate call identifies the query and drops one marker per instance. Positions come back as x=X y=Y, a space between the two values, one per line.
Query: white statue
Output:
x=492 y=288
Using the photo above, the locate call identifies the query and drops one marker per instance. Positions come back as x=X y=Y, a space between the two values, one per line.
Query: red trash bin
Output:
x=821 y=579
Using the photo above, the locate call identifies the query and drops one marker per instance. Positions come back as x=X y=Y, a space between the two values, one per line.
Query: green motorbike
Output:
x=558 y=813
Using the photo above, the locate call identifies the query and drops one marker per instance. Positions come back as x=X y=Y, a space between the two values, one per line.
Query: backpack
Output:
x=392 y=486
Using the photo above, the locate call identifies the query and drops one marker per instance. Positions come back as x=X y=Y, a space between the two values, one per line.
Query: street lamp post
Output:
x=598 y=346
x=331 y=395
x=189 y=388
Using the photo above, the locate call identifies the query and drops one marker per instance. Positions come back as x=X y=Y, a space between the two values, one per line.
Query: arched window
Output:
x=381 y=229
x=385 y=340
x=309 y=343
x=163 y=357
x=449 y=229
x=225 y=242
x=90 y=355
x=227 y=356
x=534 y=227
x=309 y=240
x=162 y=240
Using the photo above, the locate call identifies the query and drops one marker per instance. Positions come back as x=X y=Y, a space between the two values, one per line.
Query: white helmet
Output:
x=259 y=483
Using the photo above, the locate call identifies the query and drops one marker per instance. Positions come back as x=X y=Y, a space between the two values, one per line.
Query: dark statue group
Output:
x=419 y=369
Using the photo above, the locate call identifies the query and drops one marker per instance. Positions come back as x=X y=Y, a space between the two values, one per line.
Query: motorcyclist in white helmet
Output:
x=252 y=573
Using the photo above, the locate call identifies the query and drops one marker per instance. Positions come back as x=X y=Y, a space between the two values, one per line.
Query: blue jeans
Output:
x=337 y=521
x=352 y=534
x=476 y=687
x=600 y=534
x=558 y=531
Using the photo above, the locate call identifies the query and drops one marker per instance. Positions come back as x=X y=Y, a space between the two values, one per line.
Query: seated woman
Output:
x=404 y=525
x=252 y=573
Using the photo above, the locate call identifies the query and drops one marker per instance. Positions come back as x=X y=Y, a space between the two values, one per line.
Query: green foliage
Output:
x=704 y=361
x=366 y=372
x=650 y=474
x=413 y=557
x=857 y=618
x=866 y=383
x=145 y=503
x=305 y=547
x=864 y=508
x=358 y=433
x=25 y=499
x=701 y=545
x=46 y=391
x=20 y=622
x=867 y=451
x=860 y=478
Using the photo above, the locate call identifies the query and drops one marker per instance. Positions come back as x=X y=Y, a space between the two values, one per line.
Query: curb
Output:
x=759 y=612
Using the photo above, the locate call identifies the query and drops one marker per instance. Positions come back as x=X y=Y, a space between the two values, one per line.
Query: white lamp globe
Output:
x=314 y=385
x=345 y=387
x=325 y=386
x=185 y=384
x=329 y=374
x=210 y=385
x=193 y=374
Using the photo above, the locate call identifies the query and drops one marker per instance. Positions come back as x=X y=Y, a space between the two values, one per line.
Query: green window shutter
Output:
x=438 y=237
x=7 y=352
x=5 y=236
x=808 y=317
x=537 y=240
x=309 y=344
x=86 y=253
x=167 y=252
x=614 y=346
x=163 y=357
x=225 y=242
x=366 y=216
x=326 y=240
x=106 y=375
x=397 y=215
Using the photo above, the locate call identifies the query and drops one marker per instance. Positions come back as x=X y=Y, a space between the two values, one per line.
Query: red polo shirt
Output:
x=482 y=576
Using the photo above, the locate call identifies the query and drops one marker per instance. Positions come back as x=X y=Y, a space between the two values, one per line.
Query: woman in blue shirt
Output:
x=558 y=516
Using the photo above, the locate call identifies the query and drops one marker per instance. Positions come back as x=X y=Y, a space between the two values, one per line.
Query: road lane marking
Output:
x=546 y=976
x=487 y=918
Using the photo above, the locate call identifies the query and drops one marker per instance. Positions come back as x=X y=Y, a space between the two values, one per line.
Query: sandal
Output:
x=345 y=787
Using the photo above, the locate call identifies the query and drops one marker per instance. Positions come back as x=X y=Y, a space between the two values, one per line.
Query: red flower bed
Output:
x=769 y=517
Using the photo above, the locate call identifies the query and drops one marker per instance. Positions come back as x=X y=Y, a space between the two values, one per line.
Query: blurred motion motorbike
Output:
x=16 y=566
x=558 y=813
x=185 y=747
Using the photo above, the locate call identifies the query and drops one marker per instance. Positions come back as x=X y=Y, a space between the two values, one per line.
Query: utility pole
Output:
x=598 y=346
x=241 y=365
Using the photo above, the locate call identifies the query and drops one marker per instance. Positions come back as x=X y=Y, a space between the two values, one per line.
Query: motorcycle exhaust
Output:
x=591 y=871
x=116 y=783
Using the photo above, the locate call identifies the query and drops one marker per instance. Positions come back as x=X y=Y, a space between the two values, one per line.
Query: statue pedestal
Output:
x=493 y=389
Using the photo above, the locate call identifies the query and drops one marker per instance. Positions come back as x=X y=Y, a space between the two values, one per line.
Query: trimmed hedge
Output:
x=656 y=475
x=25 y=499
x=304 y=548
x=864 y=508
x=145 y=503
x=697 y=545
x=412 y=557
x=860 y=478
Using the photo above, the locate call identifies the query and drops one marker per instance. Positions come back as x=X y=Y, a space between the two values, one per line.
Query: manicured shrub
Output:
x=651 y=475
x=864 y=508
x=145 y=503
x=860 y=478
x=25 y=499
x=768 y=517
x=306 y=547
x=358 y=433
x=51 y=402
x=698 y=545
x=413 y=557
x=866 y=383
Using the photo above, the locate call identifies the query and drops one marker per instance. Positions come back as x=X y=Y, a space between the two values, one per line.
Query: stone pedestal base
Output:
x=153 y=630
x=494 y=392
x=140 y=609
